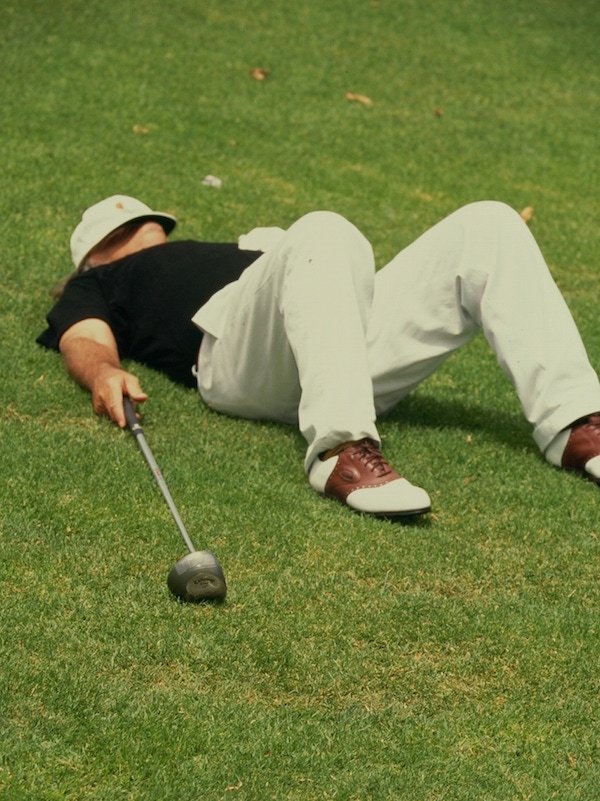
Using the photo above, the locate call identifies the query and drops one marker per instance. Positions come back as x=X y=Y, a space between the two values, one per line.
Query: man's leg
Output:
x=481 y=268
x=293 y=349
x=294 y=342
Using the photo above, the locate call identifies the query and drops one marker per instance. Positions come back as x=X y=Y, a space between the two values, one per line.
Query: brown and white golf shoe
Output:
x=357 y=474
x=581 y=449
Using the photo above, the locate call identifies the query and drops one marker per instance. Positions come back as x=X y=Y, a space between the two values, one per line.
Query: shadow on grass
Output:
x=409 y=521
x=429 y=412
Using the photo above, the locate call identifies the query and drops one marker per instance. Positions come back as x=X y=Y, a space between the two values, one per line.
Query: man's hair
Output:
x=59 y=288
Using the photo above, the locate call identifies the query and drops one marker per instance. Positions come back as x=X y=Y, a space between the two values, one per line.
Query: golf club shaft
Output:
x=138 y=433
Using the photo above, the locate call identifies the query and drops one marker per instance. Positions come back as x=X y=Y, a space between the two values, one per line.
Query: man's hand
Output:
x=92 y=359
x=108 y=389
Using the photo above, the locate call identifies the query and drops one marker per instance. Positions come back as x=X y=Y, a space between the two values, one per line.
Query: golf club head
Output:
x=197 y=577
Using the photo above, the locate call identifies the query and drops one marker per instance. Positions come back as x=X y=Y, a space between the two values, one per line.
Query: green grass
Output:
x=450 y=659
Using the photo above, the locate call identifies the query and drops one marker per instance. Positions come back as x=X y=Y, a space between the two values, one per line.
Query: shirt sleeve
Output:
x=82 y=299
x=262 y=239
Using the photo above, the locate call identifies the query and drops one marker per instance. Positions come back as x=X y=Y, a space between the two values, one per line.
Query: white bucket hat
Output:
x=105 y=217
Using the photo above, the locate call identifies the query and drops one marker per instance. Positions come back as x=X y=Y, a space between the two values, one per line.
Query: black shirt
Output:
x=148 y=300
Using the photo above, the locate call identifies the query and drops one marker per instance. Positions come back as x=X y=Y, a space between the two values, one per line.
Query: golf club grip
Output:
x=130 y=414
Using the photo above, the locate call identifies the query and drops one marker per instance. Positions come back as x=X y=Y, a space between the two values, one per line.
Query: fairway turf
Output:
x=452 y=658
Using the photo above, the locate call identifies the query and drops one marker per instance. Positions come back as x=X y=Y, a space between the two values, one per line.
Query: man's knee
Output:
x=494 y=213
x=331 y=225
x=332 y=232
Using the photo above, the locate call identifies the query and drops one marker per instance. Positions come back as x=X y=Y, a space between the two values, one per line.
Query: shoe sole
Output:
x=379 y=515
x=394 y=515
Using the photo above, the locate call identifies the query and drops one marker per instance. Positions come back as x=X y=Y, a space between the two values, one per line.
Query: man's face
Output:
x=126 y=240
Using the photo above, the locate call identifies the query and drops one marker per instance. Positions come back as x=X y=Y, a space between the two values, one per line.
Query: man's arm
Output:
x=92 y=359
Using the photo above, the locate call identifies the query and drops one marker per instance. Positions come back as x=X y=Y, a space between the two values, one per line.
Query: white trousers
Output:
x=311 y=335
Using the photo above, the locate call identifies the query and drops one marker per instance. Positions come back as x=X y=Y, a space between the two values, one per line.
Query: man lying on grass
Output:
x=296 y=326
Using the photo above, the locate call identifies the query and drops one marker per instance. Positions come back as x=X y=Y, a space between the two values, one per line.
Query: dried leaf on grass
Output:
x=259 y=74
x=140 y=129
x=527 y=213
x=355 y=98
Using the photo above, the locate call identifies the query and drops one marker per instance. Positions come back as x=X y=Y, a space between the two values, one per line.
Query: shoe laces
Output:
x=590 y=421
x=369 y=454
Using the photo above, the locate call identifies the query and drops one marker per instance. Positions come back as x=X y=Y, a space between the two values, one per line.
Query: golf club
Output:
x=197 y=576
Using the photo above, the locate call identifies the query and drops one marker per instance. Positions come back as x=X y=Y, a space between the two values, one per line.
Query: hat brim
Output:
x=167 y=221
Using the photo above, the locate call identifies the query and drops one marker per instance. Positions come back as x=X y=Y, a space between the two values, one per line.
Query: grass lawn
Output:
x=453 y=658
